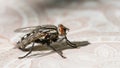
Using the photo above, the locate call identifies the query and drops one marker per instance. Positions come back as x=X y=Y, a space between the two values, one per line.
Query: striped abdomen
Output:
x=29 y=38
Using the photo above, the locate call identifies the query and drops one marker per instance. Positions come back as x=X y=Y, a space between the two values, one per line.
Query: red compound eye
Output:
x=61 y=29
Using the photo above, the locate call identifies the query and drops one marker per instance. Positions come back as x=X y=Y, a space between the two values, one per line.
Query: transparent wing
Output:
x=41 y=28
x=26 y=29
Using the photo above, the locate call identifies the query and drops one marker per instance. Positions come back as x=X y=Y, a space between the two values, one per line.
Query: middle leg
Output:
x=59 y=52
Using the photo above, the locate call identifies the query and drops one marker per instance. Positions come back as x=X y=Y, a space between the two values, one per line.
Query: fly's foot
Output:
x=63 y=57
x=21 y=57
x=74 y=46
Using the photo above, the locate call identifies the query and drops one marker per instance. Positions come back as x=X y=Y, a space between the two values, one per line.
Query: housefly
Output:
x=44 y=34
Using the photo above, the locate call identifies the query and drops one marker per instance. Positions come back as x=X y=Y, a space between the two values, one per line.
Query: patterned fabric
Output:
x=96 y=21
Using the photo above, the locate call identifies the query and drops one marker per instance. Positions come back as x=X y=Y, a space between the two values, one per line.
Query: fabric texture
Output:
x=96 y=21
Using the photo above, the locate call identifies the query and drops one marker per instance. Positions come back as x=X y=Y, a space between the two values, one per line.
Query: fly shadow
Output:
x=58 y=46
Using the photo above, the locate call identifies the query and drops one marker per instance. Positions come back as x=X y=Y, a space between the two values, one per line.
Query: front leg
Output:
x=70 y=43
x=60 y=39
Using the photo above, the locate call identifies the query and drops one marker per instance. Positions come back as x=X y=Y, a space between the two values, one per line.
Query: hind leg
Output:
x=28 y=52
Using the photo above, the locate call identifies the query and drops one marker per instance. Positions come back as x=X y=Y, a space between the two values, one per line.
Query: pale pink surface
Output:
x=97 y=21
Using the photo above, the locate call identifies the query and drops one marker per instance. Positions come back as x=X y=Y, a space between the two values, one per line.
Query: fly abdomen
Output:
x=29 y=38
x=23 y=42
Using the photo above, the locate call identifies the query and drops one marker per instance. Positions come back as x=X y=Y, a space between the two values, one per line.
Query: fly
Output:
x=45 y=34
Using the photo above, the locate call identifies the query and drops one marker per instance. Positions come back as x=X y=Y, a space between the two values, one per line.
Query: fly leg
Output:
x=28 y=52
x=60 y=39
x=70 y=43
x=59 y=52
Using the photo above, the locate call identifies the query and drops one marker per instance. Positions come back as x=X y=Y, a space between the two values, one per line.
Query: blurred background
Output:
x=96 y=21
